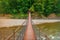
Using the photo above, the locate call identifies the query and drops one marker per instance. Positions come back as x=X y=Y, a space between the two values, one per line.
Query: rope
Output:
x=14 y=32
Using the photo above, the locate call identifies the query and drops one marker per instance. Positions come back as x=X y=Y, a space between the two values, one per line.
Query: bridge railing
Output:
x=12 y=35
x=39 y=34
x=17 y=34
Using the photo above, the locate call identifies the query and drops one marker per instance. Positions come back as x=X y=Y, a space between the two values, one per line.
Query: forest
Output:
x=20 y=8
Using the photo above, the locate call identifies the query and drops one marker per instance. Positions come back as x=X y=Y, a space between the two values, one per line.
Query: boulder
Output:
x=53 y=15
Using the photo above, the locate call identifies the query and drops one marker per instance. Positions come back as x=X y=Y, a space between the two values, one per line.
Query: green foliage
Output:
x=32 y=8
x=44 y=7
x=39 y=6
x=58 y=7
x=50 y=7
x=19 y=16
x=16 y=6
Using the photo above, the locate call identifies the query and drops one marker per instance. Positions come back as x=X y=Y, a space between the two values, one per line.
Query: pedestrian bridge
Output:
x=19 y=35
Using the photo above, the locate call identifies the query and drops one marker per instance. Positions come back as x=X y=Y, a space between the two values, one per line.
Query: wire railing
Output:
x=39 y=34
x=17 y=34
x=12 y=34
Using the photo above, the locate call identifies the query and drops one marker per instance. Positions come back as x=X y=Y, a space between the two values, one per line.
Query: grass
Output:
x=14 y=16
x=19 y=16
x=58 y=15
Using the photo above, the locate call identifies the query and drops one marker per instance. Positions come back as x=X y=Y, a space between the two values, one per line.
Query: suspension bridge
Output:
x=27 y=32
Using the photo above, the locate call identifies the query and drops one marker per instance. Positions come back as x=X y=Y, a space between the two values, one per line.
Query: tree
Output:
x=45 y=7
x=50 y=7
x=39 y=6
x=58 y=6
x=17 y=6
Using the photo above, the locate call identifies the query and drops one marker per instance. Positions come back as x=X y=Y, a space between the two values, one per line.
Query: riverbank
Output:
x=16 y=22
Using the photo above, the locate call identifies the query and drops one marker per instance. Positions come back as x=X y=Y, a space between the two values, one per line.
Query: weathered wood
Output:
x=29 y=33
